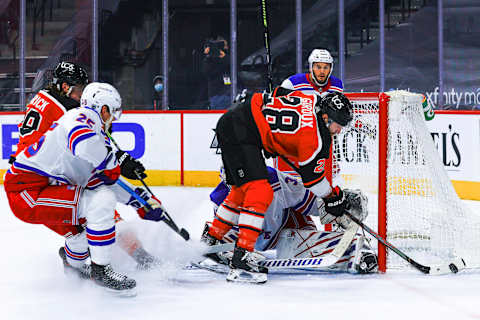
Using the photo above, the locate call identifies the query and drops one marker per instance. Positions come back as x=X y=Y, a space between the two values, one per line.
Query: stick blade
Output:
x=184 y=234
x=454 y=266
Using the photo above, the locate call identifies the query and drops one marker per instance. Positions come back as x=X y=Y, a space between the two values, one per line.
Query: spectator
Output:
x=216 y=67
x=158 y=92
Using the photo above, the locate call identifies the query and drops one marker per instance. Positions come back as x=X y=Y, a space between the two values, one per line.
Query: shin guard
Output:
x=227 y=213
x=258 y=196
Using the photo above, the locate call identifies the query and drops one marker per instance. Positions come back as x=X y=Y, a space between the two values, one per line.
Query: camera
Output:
x=215 y=47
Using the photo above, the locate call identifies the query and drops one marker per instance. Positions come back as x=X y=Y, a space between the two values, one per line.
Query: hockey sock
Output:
x=227 y=214
x=76 y=250
x=100 y=242
x=258 y=196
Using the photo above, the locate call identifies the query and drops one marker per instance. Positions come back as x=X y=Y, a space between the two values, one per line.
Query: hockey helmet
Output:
x=99 y=94
x=320 y=55
x=337 y=107
x=70 y=73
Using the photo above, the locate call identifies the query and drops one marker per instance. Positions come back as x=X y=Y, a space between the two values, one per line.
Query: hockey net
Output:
x=388 y=152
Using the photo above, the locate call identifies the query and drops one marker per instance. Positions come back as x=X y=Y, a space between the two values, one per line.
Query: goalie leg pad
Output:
x=364 y=259
x=358 y=258
x=294 y=243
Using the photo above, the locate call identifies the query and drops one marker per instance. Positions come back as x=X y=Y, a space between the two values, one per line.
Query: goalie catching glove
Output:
x=156 y=210
x=357 y=205
x=129 y=166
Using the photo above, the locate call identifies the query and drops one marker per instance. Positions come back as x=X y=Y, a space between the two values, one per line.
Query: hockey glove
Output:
x=130 y=167
x=156 y=211
x=109 y=176
x=335 y=204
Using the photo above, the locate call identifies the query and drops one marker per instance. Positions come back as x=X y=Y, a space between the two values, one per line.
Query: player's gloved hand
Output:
x=156 y=210
x=335 y=203
x=130 y=167
x=109 y=176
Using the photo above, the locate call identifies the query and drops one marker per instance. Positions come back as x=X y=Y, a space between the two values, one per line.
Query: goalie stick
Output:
x=452 y=267
x=341 y=247
x=168 y=220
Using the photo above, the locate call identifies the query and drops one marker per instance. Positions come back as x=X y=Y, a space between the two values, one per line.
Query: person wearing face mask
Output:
x=158 y=92
x=216 y=67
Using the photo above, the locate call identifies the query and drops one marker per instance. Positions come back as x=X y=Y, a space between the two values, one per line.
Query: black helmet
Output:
x=70 y=73
x=337 y=107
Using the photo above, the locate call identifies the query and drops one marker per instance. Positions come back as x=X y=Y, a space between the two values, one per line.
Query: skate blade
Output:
x=127 y=293
x=242 y=276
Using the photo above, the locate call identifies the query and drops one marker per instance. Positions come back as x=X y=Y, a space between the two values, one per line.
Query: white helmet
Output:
x=98 y=94
x=320 y=55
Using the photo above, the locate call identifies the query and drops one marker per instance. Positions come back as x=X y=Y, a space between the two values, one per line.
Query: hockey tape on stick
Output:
x=454 y=266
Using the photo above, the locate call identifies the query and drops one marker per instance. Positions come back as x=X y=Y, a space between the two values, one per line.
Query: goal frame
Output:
x=383 y=100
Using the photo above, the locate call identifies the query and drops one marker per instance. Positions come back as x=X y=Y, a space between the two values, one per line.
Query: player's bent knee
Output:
x=98 y=205
x=258 y=195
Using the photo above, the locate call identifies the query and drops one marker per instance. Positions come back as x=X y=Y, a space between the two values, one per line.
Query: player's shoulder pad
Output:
x=281 y=91
x=298 y=78
x=336 y=82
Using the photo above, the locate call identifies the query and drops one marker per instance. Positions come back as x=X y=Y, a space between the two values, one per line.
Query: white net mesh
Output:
x=425 y=217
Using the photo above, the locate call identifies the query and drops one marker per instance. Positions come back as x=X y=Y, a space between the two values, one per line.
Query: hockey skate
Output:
x=219 y=257
x=82 y=273
x=245 y=267
x=113 y=281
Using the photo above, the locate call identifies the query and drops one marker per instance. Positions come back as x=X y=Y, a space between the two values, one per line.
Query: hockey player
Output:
x=289 y=229
x=286 y=124
x=46 y=107
x=49 y=104
x=67 y=177
x=319 y=79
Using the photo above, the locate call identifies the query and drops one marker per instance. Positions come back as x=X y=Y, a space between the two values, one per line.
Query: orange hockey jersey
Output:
x=41 y=112
x=289 y=127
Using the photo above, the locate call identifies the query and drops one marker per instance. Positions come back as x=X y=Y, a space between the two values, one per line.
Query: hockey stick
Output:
x=341 y=247
x=168 y=220
x=453 y=267
x=266 y=38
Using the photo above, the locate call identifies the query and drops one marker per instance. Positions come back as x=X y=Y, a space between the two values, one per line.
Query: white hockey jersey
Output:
x=72 y=151
x=289 y=194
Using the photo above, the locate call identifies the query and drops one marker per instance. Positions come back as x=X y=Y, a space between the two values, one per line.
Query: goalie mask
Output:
x=69 y=73
x=337 y=107
x=320 y=55
x=96 y=95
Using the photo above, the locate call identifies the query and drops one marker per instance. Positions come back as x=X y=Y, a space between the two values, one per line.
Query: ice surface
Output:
x=33 y=286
